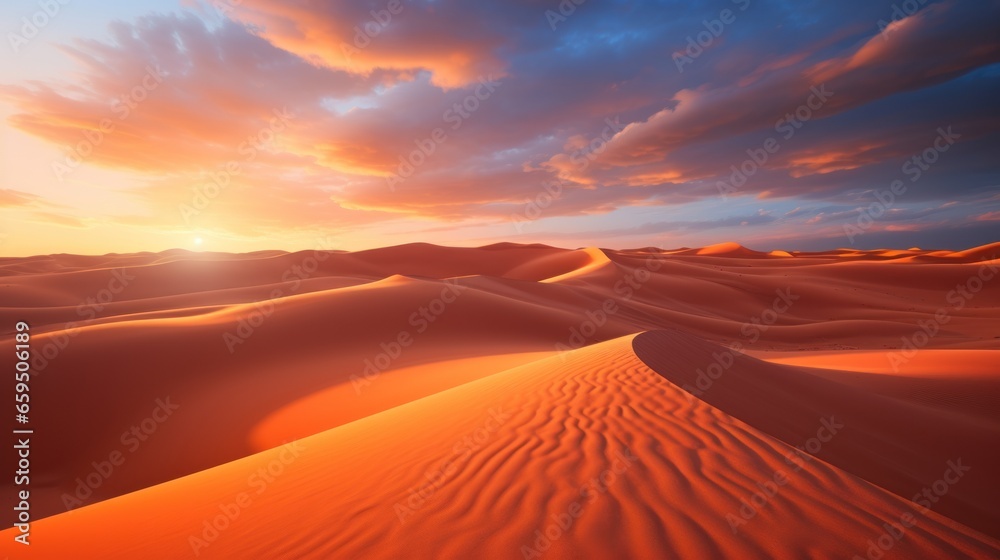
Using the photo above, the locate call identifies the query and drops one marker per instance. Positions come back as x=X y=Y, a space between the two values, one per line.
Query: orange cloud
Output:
x=443 y=38
x=821 y=162
x=10 y=198
x=200 y=101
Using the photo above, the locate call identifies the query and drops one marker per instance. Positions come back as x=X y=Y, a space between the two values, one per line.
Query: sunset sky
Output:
x=145 y=125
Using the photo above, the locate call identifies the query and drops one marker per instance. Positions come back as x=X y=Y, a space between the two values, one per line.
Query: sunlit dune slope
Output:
x=594 y=439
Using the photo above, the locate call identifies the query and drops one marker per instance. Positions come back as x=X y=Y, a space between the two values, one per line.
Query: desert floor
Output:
x=510 y=401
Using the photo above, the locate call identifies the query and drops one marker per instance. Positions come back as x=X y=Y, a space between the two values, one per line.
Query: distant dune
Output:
x=426 y=401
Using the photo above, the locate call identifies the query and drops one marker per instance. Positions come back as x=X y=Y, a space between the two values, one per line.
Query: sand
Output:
x=514 y=375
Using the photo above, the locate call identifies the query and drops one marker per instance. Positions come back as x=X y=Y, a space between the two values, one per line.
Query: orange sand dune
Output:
x=594 y=440
x=379 y=361
x=727 y=250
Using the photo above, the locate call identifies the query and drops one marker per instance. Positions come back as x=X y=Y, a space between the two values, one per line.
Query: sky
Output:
x=243 y=125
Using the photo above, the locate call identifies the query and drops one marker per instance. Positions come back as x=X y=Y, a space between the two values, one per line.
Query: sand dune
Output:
x=508 y=455
x=380 y=363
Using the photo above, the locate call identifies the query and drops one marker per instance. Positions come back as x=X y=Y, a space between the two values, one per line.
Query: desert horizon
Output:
x=505 y=280
x=728 y=248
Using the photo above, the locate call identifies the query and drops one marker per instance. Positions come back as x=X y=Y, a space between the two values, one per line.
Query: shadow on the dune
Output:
x=901 y=445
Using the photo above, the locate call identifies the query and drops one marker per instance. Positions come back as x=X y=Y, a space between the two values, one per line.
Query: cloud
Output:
x=937 y=44
x=457 y=42
x=168 y=93
x=596 y=104
x=64 y=220
x=10 y=198
x=40 y=209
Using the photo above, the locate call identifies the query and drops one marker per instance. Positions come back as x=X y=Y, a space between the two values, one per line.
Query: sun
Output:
x=197 y=241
